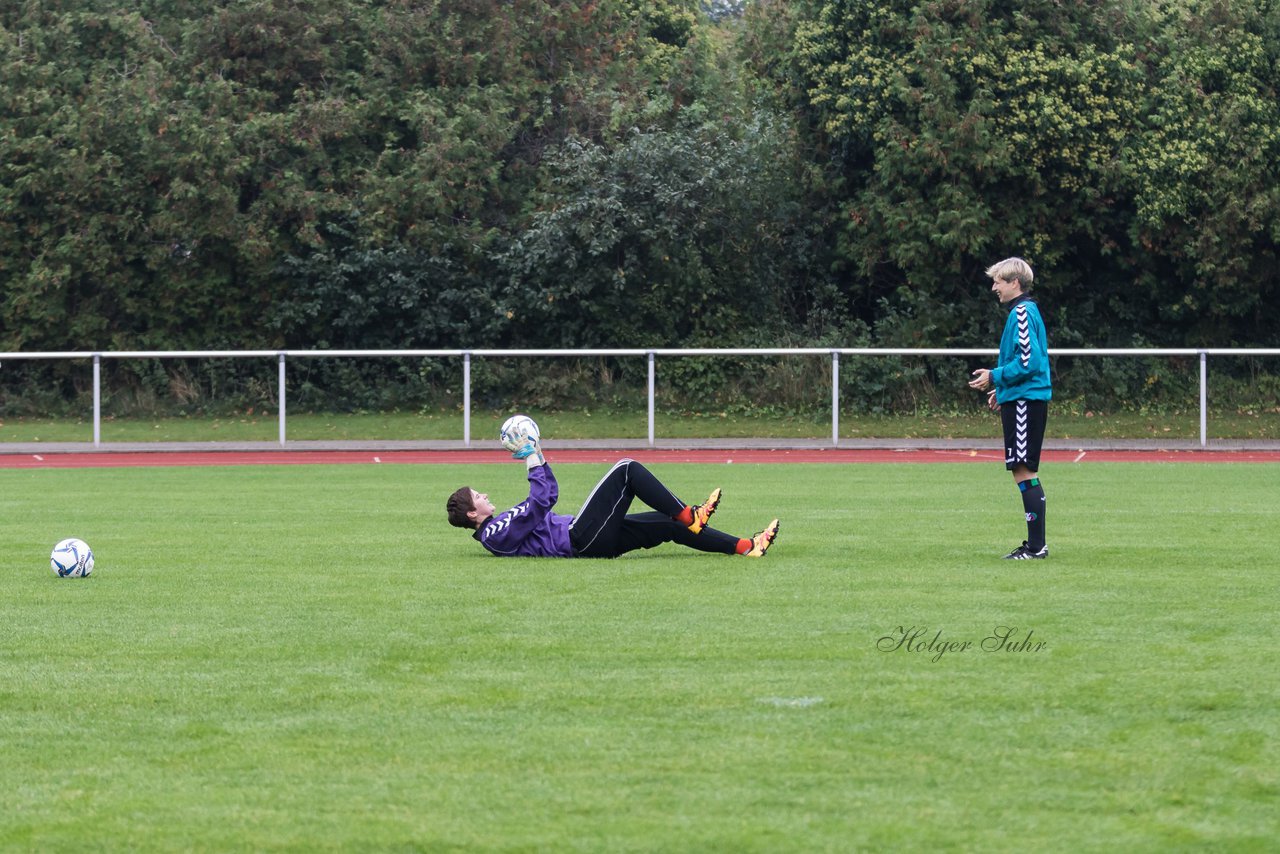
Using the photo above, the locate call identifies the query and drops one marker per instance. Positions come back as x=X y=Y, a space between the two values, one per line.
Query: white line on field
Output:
x=791 y=702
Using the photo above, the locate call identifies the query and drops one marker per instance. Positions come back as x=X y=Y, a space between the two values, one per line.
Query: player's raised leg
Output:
x=630 y=479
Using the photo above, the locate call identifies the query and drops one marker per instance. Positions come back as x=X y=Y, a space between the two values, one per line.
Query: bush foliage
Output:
x=384 y=174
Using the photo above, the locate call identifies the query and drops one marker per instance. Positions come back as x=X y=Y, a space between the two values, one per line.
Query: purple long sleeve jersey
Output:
x=530 y=529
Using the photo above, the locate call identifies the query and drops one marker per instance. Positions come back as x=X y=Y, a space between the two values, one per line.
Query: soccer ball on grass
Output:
x=71 y=558
x=517 y=431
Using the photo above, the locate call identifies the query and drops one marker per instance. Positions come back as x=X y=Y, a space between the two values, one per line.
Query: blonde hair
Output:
x=1010 y=269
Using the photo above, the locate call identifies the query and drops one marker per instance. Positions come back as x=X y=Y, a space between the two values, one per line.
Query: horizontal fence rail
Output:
x=650 y=354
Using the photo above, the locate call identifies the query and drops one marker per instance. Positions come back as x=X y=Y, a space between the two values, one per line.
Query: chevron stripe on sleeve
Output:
x=1024 y=335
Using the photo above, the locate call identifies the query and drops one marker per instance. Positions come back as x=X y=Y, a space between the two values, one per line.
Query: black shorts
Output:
x=1024 y=422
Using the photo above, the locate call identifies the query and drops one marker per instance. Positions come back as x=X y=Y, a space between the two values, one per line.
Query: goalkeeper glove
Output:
x=530 y=452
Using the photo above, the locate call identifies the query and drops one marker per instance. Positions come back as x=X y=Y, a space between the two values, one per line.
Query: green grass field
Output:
x=308 y=658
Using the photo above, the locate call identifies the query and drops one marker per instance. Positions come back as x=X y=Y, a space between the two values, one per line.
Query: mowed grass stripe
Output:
x=309 y=657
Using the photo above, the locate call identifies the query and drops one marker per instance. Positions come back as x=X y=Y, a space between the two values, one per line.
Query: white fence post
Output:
x=652 y=357
x=281 y=381
x=1204 y=398
x=97 y=400
x=835 y=397
x=466 y=399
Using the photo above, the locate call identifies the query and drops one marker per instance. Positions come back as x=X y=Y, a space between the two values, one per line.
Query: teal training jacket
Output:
x=1023 y=372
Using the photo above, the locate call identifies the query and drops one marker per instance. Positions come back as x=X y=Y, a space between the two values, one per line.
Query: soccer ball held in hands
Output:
x=518 y=431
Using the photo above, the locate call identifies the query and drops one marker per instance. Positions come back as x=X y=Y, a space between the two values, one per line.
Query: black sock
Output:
x=1033 y=503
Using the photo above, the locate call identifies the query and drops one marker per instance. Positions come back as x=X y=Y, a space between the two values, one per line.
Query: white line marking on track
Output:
x=985 y=456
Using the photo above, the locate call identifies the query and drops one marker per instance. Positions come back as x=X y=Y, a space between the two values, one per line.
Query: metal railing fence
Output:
x=651 y=355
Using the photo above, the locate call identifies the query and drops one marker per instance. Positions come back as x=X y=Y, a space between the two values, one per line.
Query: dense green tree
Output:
x=672 y=236
x=1206 y=173
x=161 y=161
x=424 y=173
x=965 y=132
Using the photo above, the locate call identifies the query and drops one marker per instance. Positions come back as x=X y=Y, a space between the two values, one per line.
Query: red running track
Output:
x=788 y=455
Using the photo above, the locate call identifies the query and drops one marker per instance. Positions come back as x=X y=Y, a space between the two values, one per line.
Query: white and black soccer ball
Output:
x=71 y=558
x=516 y=431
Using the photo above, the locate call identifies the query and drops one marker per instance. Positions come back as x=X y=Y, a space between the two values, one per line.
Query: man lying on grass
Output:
x=602 y=528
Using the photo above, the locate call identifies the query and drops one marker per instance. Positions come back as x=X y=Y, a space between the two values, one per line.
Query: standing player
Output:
x=602 y=528
x=1020 y=388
